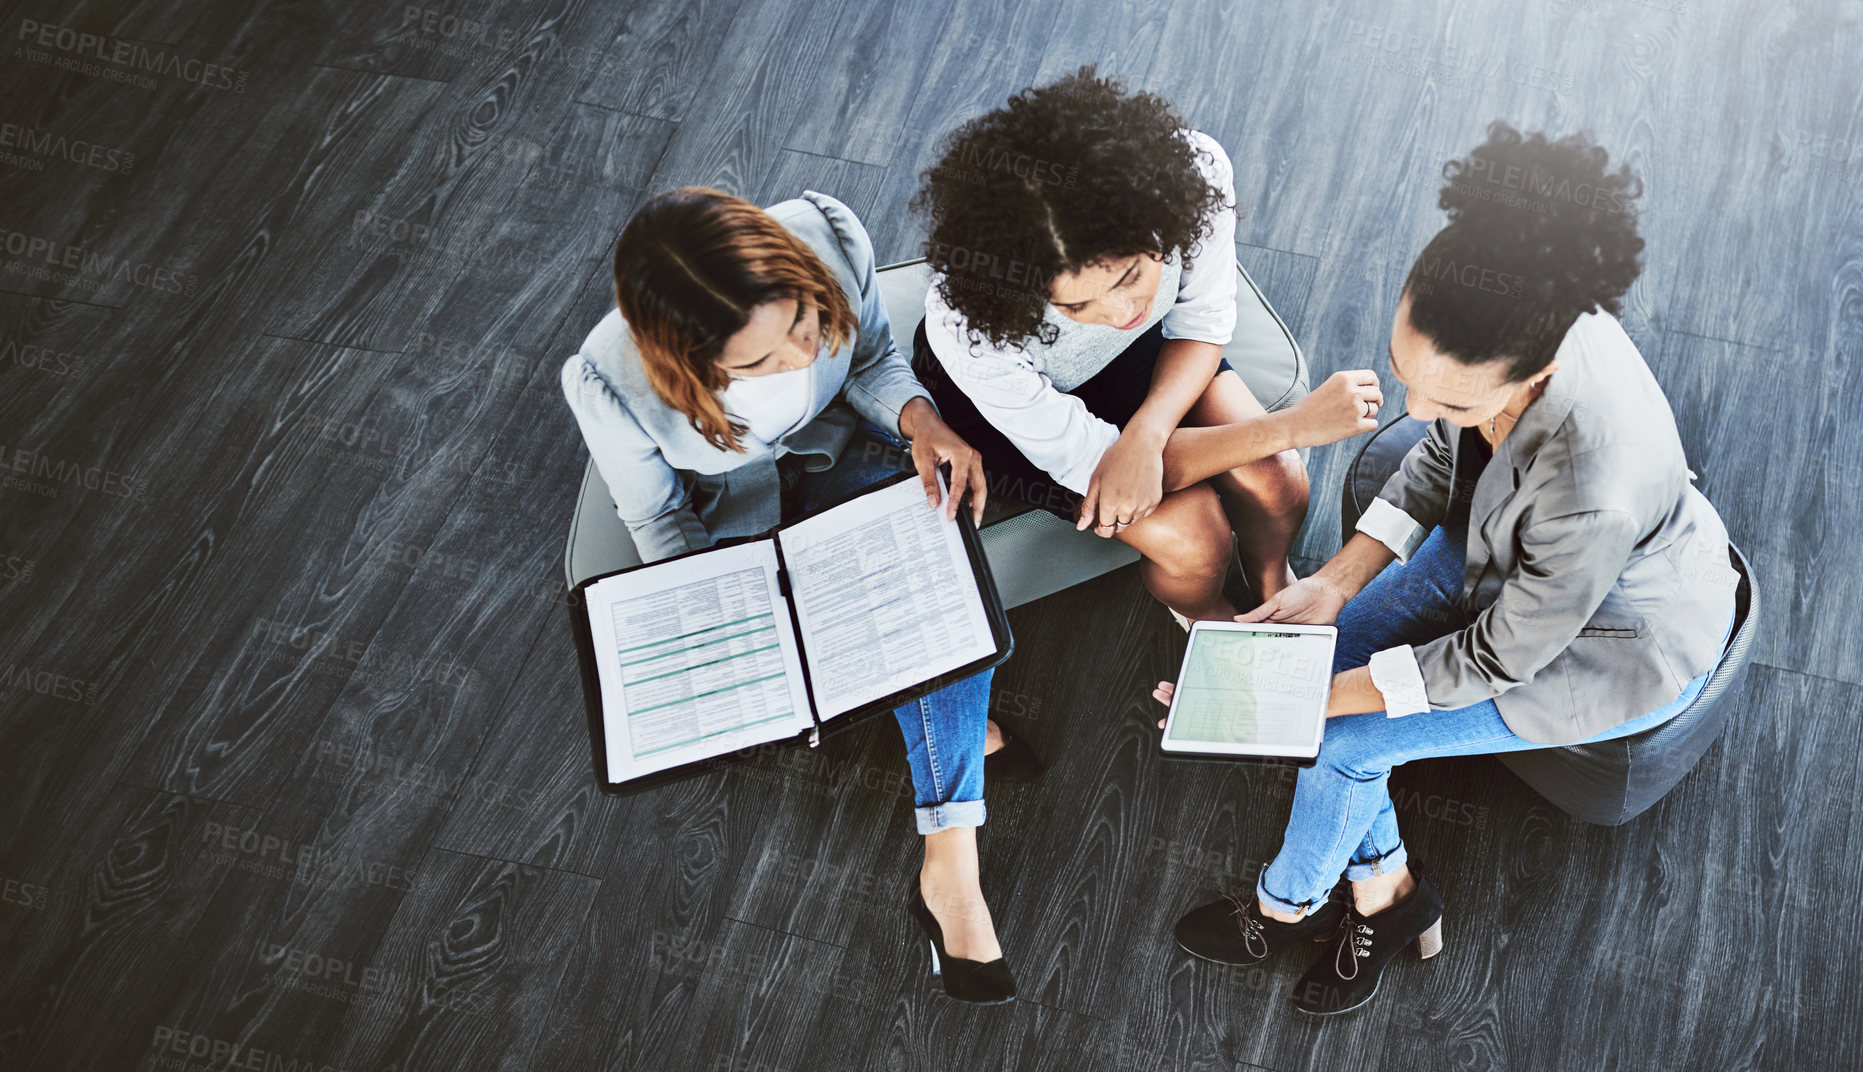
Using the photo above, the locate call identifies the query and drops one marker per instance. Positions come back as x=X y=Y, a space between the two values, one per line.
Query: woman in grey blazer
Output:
x=1540 y=572
x=748 y=373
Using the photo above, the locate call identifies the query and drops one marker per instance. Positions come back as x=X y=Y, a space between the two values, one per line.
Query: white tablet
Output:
x=1252 y=691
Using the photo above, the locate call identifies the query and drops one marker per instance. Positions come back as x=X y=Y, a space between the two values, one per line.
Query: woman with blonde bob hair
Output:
x=748 y=374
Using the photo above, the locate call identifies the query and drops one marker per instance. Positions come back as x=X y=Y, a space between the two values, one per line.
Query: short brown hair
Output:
x=689 y=268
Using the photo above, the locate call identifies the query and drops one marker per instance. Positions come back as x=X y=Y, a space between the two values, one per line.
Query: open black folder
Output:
x=824 y=622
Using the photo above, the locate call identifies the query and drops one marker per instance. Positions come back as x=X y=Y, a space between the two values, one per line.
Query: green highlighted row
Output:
x=701 y=644
x=696 y=632
x=714 y=662
x=710 y=692
x=714 y=733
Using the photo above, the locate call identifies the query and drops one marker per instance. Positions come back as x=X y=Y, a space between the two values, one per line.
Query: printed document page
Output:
x=697 y=657
x=885 y=595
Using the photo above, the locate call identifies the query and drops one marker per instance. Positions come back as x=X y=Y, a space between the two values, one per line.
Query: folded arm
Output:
x=1129 y=482
x=1338 y=410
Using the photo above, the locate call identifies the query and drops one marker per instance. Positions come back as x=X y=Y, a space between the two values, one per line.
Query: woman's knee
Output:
x=1351 y=753
x=1278 y=482
x=1189 y=532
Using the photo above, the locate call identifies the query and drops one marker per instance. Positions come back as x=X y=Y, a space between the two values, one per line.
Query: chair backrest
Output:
x=1746 y=627
x=1377 y=458
x=902 y=288
x=598 y=542
x=1611 y=782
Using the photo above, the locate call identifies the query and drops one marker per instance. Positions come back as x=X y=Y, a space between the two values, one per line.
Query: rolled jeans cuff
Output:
x=1383 y=865
x=945 y=816
x=1269 y=899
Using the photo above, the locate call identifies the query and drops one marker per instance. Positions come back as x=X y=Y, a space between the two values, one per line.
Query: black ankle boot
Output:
x=976 y=981
x=1346 y=976
x=1015 y=761
x=1233 y=930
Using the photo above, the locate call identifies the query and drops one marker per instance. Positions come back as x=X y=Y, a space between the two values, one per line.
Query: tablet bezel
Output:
x=1225 y=751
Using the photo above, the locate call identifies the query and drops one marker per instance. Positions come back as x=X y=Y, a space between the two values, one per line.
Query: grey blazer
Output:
x=673 y=488
x=1598 y=583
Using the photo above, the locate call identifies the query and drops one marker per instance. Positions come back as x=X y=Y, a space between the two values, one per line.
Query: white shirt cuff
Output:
x=1400 y=680
x=1393 y=528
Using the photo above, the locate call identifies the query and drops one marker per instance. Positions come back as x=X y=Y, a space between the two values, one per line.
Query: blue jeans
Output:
x=943 y=731
x=1343 y=818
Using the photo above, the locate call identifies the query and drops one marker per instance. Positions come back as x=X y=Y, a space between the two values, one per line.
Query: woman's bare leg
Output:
x=1266 y=500
x=949 y=884
x=1185 y=542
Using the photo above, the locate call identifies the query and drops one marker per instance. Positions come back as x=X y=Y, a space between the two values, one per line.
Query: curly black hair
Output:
x=1062 y=176
x=1540 y=232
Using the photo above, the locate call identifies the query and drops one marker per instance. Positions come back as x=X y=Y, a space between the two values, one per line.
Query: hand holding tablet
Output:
x=1254 y=691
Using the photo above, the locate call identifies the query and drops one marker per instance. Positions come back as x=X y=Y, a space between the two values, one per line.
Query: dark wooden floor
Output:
x=293 y=746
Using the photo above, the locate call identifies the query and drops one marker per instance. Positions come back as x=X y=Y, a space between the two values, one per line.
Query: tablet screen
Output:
x=1252 y=690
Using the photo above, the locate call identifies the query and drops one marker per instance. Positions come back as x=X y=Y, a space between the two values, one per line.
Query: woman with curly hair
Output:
x=748 y=374
x=1540 y=571
x=1082 y=243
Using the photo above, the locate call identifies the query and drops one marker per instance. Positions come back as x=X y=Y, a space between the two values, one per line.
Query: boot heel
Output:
x=1430 y=942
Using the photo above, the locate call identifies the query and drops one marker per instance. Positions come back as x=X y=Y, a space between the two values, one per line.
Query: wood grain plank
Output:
x=1786 y=494
x=749 y=96
x=1122 y=40
x=662 y=914
x=473 y=43
x=856 y=185
x=368 y=443
x=1678 y=958
x=658 y=56
x=875 y=70
x=151 y=633
x=470 y=962
x=985 y=52
x=410 y=231
x=113 y=891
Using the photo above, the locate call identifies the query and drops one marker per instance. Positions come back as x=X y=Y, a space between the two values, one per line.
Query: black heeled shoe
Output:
x=1233 y=930
x=1347 y=977
x=976 y=981
x=1015 y=761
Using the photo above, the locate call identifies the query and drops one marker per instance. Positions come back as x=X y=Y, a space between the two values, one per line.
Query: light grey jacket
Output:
x=1598 y=582
x=674 y=489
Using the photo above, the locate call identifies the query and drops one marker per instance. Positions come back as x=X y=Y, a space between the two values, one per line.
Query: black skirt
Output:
x=1112 y=394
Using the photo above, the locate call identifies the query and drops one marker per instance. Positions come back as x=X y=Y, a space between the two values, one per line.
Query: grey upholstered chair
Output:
x=1032 y=553
x=1611 y=782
